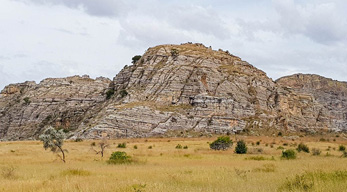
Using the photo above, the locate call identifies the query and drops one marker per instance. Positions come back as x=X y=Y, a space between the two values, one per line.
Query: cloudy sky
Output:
x=58 y=38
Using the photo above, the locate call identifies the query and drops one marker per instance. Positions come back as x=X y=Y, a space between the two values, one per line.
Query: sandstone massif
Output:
x=175 y=90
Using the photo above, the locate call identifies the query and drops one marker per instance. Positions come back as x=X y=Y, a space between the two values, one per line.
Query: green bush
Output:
x=222 y=143
x=185 y=147
x=241 y=147
x=135 y=146
x=122 y=145
x=119 y=157
x=303 y=147
x=288 y=154
x=342 y=148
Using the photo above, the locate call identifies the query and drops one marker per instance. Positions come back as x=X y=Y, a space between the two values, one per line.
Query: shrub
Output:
x=78 y=140
x=122 y=145
x=303 y=147
x=123 y=93
x=257 y=143
x=241 y=147
x=135 y=146
x=316 y=151
x=135 y=58
x=344 y=154
x=279 y=134
x=185 y=147
x=150 y=147
x=280 y=147
x=93 y=144
x=119 y=157
x=342 y=148
x=174 y=52
x=288 y=154
x=178 y=146
x=109 y=93
x=222 y=143
x=27 y=100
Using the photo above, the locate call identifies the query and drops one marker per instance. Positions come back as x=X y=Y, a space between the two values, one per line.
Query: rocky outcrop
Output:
x=26 y=108
x=329 y=97
x=186 y=89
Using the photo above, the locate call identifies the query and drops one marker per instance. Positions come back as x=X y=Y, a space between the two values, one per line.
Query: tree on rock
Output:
x=53 y=139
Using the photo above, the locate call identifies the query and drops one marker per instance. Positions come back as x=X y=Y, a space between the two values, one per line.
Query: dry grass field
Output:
x=26 y=166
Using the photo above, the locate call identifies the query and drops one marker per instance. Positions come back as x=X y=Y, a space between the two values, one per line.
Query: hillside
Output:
x=184 y=90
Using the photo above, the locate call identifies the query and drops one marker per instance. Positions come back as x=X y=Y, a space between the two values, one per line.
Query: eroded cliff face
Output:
x=26 y=108
x=186 y=89
x=329 y=96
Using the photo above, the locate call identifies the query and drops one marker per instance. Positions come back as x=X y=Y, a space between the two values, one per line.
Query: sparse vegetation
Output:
x=342 y=148
x=222 y=143
x=241 y=147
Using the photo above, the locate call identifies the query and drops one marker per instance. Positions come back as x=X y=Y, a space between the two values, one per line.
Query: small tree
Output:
x=241 y=147
x=103 y=145
x=135 y=58
x=222 y=143
x=53 y=139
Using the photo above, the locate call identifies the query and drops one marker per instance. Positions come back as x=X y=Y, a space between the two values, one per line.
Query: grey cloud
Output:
x=321 y=22
x=109 y=8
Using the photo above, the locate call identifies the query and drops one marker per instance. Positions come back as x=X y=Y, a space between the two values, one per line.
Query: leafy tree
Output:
x=241 y=147
x=54 y=139
x=135 y=58
x=222 y=143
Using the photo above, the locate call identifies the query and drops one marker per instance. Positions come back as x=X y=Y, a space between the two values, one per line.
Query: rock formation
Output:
x=186 y=89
